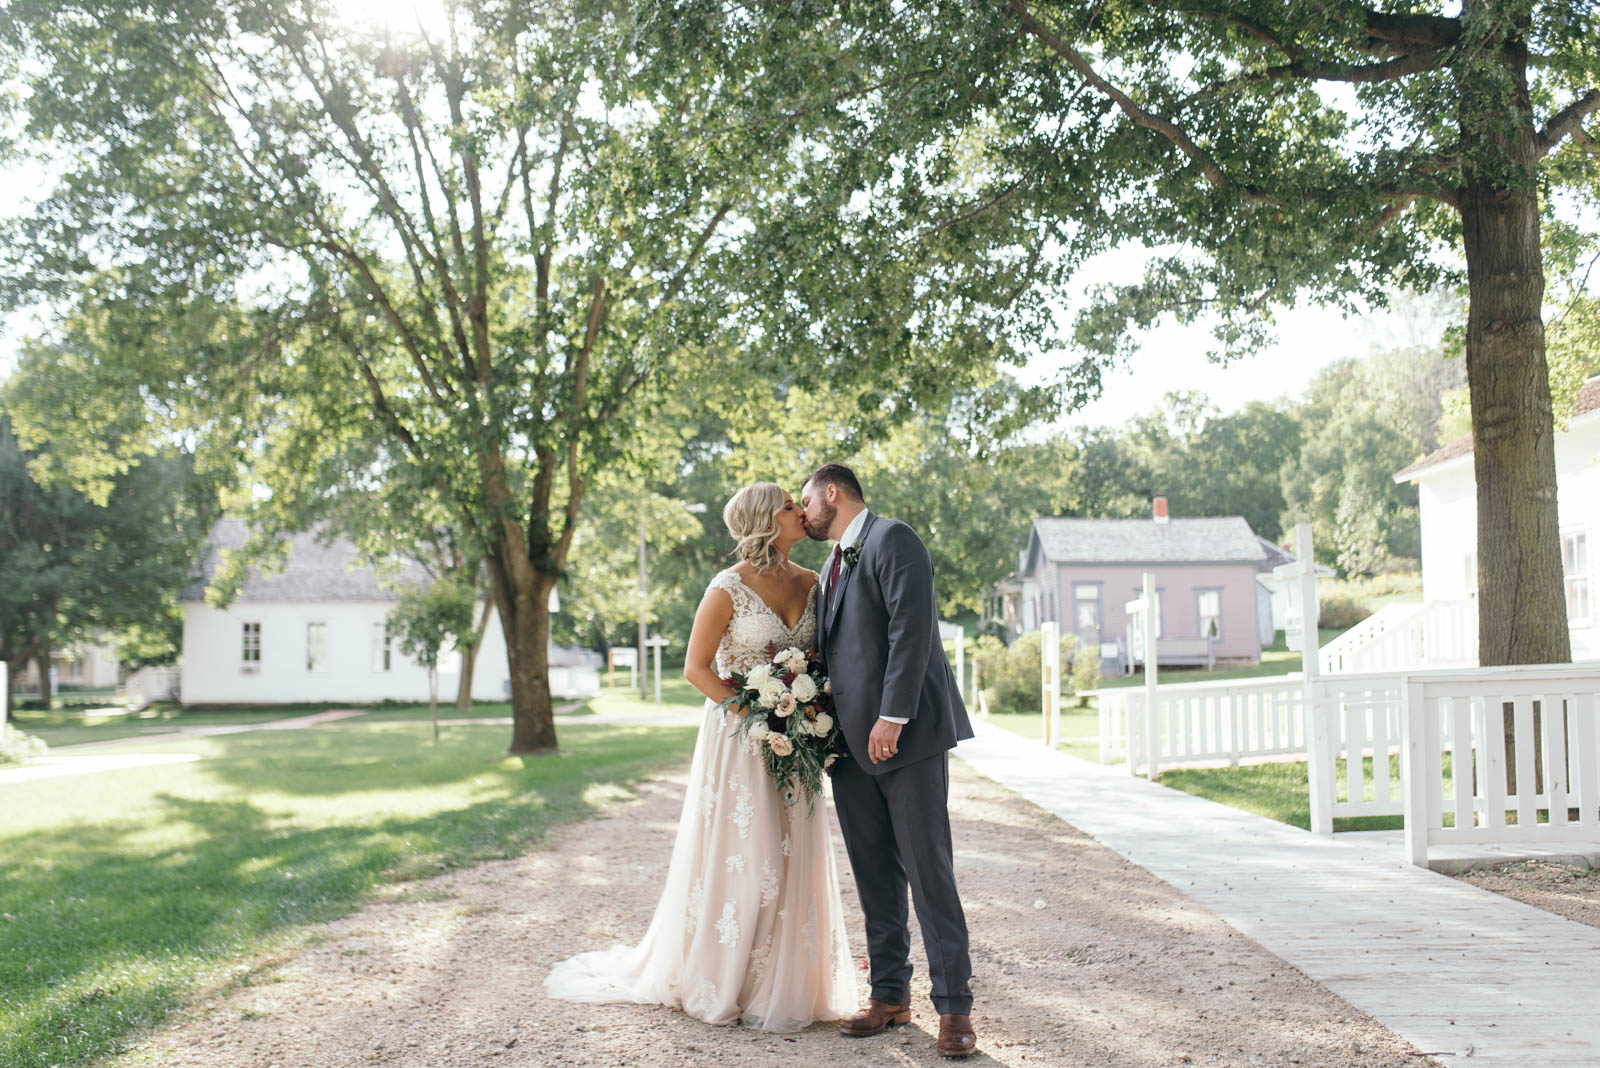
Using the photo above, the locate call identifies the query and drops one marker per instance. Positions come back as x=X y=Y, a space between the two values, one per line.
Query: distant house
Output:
x=91 y=665
x=318 y=631
x=1278 y=588
x=1081 y=573
x=1448 y=503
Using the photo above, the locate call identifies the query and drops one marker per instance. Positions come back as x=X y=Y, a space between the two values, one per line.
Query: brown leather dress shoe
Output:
x=956 y=1037
x=876 y=1018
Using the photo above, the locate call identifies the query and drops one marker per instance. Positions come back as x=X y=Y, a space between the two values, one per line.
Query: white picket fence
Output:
x=150 y=684
x=1405 y=636
x=1368 y=737
x=1204 y=723
x=1462 y=716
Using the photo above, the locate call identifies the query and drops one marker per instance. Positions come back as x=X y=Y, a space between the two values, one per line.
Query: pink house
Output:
x=1081 y=573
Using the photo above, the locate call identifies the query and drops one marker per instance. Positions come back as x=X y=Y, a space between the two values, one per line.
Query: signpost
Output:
x=623 y=656
x=1142 y=646
x=656 y=643
x=1300 y=632
x=1050 y=679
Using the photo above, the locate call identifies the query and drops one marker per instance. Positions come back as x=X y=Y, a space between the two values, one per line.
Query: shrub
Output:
x=1085 y=673
x=1010 y=676
x=17 y=747
x=1340 y=612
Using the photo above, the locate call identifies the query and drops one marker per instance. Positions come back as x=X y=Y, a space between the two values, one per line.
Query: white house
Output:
x=1277 y=587
x=1447 y=494
x=89 y=665
x=317 y=631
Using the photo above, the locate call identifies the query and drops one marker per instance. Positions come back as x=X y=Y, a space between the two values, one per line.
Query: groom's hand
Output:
x=884 y=741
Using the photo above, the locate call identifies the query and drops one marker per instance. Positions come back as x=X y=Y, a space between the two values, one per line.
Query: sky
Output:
x=1173 y=358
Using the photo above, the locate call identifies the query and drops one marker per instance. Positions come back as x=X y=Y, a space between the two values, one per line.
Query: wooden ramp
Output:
x=1468 y=976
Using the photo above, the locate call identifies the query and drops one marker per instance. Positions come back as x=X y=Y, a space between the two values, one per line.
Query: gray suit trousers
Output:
x=896 y=828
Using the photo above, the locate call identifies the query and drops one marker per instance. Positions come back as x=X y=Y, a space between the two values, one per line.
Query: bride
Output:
x=750 y=927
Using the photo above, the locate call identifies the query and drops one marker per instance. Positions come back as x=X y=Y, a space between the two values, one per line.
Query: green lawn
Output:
x=66 y=726
x=1280 y=791
x=1079 y=727
x=125 y=893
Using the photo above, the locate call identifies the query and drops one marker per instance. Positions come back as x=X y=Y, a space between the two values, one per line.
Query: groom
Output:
x=901 y=713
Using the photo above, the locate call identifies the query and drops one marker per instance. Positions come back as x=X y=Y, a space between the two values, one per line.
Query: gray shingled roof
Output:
x=313 y=572
x=1276 y=555
x=1211 y=540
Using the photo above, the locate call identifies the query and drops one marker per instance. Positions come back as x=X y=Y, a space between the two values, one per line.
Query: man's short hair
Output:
x=837 y=475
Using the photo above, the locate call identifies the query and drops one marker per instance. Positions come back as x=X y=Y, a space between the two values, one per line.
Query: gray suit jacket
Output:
x=879 y=636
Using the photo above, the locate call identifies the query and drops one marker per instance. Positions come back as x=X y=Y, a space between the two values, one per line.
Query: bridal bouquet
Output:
x=789 y=704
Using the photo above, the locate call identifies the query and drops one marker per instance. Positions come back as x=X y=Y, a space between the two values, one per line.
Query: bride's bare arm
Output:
x=710 y=621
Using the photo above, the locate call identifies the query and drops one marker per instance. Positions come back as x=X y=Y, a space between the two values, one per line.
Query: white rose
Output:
x=789 y=656
x=804 y=688
x=796 y=664
x=781 y=744
x=822 y=725
x=786 y=705
x=771 y=691
x=760 y=731
x=827 y=685
x=758 y=678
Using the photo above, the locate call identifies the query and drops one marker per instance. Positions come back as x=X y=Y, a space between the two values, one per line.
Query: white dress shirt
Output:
x=851 y=535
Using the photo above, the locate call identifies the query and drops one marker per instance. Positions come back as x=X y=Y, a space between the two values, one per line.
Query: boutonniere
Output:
x=848 y=558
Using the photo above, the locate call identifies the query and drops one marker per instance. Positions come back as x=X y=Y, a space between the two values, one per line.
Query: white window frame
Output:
x=247 y=647
x=1096 y=591
x=1581 y=579
x=316 y=653
x=1200 y=614
x=382 y=648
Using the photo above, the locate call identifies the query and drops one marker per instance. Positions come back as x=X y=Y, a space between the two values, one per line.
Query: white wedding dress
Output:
x=750 y=926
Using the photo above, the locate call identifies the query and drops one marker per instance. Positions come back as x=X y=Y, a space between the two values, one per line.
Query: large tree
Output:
x=500 y=241
x=72 y=567
x=1267 y=154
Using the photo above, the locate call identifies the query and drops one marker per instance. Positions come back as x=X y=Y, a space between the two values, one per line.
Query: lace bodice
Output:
x=755 y=625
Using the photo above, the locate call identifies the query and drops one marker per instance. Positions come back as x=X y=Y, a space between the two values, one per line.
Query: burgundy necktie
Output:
x=833 y=573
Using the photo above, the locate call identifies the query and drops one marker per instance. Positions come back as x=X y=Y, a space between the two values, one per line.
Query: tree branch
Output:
x=1165 y=127
x=1569 y=120
x=1431 y=31
x=1254 y=29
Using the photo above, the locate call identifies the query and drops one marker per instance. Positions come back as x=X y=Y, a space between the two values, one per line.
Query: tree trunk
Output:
x=469 y=658
x=1522 y=611
x=523 y=604
x=12 y=667
x=41 y=664
x=433 y=696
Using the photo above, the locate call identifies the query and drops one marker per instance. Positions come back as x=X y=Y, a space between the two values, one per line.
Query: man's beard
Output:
x=819 y=531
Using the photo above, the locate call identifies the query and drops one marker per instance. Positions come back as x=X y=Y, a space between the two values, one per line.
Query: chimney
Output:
x=1160 y=506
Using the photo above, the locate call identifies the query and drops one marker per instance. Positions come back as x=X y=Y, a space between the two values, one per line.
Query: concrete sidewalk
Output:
x=1468 y=976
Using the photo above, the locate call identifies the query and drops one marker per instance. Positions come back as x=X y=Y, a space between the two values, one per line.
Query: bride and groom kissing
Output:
x=750 y=925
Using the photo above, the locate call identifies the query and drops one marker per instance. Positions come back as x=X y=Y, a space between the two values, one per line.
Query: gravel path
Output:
x=1569 y=890
x=1081 y=958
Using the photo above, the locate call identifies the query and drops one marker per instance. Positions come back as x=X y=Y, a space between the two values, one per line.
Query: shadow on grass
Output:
x=108 y=926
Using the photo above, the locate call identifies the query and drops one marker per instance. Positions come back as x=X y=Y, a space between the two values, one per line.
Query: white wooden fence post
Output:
x=961 y=662
x=1319 y=738
x=1414 y=773
x=977 y=688
x=1050 y=679
x=1152 y=736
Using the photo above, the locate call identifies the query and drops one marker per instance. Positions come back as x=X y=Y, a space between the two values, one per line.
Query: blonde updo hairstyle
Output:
x=752 y=518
